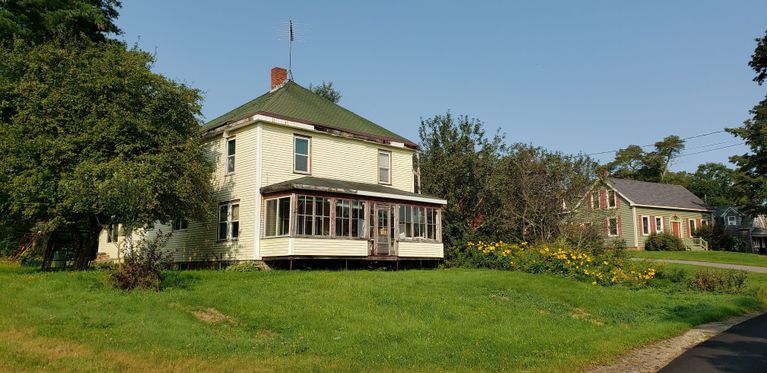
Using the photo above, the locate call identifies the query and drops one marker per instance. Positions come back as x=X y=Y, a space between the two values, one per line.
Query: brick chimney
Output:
x=279 y=76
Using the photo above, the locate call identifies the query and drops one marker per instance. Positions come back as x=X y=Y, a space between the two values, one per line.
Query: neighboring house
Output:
x=751 y=230
x=299 y=177
x=633 y=210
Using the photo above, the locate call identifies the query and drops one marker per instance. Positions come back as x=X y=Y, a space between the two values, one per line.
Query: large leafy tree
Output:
x=715 y=183
x=43 y=20
x=751 y=176
x=90 y=136
x=634 y=163
x=457 y=162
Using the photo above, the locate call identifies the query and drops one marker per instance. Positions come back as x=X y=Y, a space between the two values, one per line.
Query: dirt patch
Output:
x=657 y=355
x=212 y=316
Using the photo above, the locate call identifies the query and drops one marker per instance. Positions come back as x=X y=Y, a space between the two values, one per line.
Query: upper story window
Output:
x=277 y=217
x=231 y=148
x=384 y=167
x=228 y=221
x=612 y=199
x=595 y=200
x=302 y=154
x=732 y=220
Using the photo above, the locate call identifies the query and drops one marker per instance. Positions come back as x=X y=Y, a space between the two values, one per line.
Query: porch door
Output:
x=384 y=229
x=676 y=229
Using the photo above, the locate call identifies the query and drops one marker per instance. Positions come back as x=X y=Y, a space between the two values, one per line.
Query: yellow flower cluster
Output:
x=562 y=260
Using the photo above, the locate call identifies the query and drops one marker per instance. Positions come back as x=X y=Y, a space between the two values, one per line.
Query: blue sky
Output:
x=574 y=76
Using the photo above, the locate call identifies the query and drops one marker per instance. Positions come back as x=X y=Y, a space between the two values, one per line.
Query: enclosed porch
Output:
x=316 y=218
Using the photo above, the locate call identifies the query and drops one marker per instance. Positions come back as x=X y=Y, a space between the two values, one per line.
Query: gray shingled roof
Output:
x=656 y=194
x=318 y=184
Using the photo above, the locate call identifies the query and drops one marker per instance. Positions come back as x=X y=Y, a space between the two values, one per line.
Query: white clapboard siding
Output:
x=410 y=249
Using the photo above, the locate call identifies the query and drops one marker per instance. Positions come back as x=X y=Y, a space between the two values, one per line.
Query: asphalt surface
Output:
x=707 y=264
x=742 y=348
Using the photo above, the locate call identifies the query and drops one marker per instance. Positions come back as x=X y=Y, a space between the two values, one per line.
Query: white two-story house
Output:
x=299 y=177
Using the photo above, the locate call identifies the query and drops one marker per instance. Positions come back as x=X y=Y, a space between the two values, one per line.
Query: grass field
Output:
x=344 y=320
x=728 y=257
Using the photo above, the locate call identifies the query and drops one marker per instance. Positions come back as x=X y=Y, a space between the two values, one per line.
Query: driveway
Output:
x=707 y=264
x=742 y=348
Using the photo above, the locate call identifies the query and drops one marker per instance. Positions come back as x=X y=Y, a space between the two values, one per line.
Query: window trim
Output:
x=597 y=200
x=308 y=154
x=229 y=207
x=113 y=233
x=643 y=217
x=232 y=156
x=692 y=226
x=617 y=230
x=659 y=228
x=183 y=225
x=378 y=167
x=734 y=220
x=423 y=225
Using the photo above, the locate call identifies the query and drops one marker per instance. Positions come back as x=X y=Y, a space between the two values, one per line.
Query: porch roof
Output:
x=318 y=184
x=759 y=232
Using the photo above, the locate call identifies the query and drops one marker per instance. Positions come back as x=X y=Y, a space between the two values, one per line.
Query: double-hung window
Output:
x=693 y=228
x=384 y=167
x=277 y=217
x=179 y=224
x=645 y=225
x=732 y=220
x=595 y=201
x=658 y=224
x=343 y=217
x=612 y=201
x=231 y=149
x=112 y=232
x=302 y=154
x=228 y=221
x=313 y=216
x=612 y=227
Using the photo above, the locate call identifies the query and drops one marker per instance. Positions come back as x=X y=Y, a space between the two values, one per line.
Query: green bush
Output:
x=719 y=281
x=245 y=267
x=664 y=242
x=718 y=239
x=143 y=263
x=673 y=274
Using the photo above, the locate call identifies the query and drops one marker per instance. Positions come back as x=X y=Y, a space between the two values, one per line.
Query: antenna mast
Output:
x=290 y=52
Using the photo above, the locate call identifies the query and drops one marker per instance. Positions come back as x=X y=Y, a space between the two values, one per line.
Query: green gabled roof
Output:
x=294 y=102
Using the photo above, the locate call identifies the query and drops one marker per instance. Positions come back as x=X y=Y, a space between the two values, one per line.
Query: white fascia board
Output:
x=436 y=201
x=672 y=208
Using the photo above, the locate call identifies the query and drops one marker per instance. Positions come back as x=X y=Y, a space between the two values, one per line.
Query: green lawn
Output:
x=706 y=256
x=345 y=320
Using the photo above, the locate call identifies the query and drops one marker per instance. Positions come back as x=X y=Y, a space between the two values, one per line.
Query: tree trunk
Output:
x=50 y=241
x=86 y=244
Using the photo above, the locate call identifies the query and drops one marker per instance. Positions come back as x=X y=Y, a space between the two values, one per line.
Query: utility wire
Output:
x=653 y=144
x=710 y=150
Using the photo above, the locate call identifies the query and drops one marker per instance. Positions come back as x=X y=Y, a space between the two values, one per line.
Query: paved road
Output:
x=742 y=348
x=708 y=264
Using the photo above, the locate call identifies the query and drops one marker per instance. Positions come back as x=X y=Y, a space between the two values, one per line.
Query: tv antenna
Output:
x=290 y=51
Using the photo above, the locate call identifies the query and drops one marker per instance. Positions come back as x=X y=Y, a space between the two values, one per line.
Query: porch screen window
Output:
x=595 y=201
x=277 y=217
x=228 y=221
x=384 y=167
x=405 y=221
x=301 y=158
x=418 y=222
x=645 y=225
x=658 y=224
x=611 y=199
x=231 y=148
x=313 y=216
x=343 y=217
x=431 y=224
x=612 y=227
x=358 y=219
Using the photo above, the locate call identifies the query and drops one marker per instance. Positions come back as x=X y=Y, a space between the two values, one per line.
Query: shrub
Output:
x=718 y=239
x=673 y=274
x=719 y=281
x=608 y=268
x=664 y=242
x=245 y=267
x=143 y=263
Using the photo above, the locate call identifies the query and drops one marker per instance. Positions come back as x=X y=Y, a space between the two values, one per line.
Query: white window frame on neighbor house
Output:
x=612 y=203
x=692 y=226
x=230 y=221
x=659 y=224
x=230 y=153
x=179 y=224
x=645 y=227
x=733 y=221
x=308 y=154
x=387 y=167
x=113 y=232
x=277 y=218
x=609 y=227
